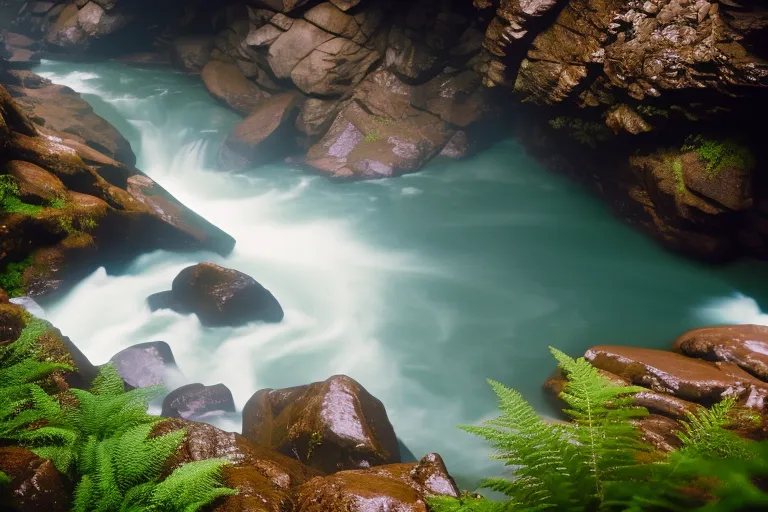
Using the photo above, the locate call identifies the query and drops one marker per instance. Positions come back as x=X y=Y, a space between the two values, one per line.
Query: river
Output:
x=419 y=287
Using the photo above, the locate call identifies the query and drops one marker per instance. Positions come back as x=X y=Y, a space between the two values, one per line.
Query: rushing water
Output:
x=418 y=287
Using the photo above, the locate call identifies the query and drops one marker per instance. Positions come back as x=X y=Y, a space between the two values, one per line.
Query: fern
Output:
x=191 y=487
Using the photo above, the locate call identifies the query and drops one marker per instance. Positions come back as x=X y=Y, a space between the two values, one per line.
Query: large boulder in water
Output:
x=227 y=83
x=330 y=425
x=196 y=402
x=145 y=364
x=743 y=345
x=219 y=297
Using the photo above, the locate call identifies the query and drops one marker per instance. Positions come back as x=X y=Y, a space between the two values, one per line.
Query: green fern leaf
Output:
x=191 y=487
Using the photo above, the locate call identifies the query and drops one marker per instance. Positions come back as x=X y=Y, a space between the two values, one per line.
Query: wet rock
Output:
x=660 y=431
x=29 y=305
x=35 y=483
x=145 y=364
x=221 y=297
x=457 y=147
x=316 y=116
x=265 y=480
x=743 y=345
x=36 y=185
x=456 y=98
x=686 y=378
x=401 y=487
x=11 y=320
x=330 y=425
x=261 y=136
x=227 y=83
x=197 y=402
x=192 y=53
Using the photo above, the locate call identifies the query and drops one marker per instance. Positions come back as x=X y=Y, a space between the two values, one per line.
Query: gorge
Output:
x=420 y=286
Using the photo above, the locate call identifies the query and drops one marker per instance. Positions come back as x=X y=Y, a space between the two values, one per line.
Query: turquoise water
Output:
x=418 y=287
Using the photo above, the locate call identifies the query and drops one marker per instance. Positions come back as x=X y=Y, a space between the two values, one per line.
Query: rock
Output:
x=66 y=31
x=263 y=36
x=35 y=483
x=401 y=487
x=660 y=431
x=36 y=185
x=96 y=22
x=262 y=136
x=333 y=68
x=329 y=18
x=624 y=117
x=265 y=480
x=316 y=116
x=345 y=5
x=197 y=402
x=457 y=147
x=295 y=44
x=458 y=99
x=191 y=53
x=145 y=364
x=29 y=305
x=686 y=378
x=227 y=83
x=283 y=5
x=743 y=345
x=222 y=297
x=331 y=425
x=11 y=320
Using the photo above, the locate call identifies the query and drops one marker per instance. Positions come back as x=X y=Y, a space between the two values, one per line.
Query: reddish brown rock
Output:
x=36 y=185
x=227 y=83
x=262 y=135
x=220 y=297
x=331 y=425
x=396 y=487
x=659 y=431
x=295 y=44
x=265 y=480
x=744 y=345
x=35 y=485
x=191 y=54
x=686 y=378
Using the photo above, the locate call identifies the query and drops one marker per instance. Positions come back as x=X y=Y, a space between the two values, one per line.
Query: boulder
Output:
x=283 y=5
x=262 y=135
x=227 y=83
x=97 y=22
x=220 y=297
x=333 y=68
x=35 y=483
x=400 y=487
x=684 y=377
x=36 y=185
x=265 y=480
x=145 y=364
x=191 y=53
x=331 y=425
x=66 y=32
x=660 y=432
x=196 y=402
x=292 y=46
x=458 y=98
x=743 y=345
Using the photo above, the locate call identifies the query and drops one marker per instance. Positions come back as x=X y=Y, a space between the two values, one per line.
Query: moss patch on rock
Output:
x=721 y=154
x=12 y=276
x=10 y=201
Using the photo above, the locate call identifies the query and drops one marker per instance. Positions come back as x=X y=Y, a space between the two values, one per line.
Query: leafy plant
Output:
x=315 y=440
x=677 y=170
x=720 y=155
x=10 y=201
x=589 y=133
x=12 y=276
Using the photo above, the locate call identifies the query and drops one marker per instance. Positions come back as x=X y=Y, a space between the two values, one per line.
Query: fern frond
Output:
x=704 y=433
x=464 y=504
x=191 y=487
x=4 y=479
x=108 y=382
x=140 y=459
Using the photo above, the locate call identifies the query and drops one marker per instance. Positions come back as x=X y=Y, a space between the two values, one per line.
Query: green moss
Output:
x=589 y=133
x=650 y=111
x=315 y=440
x=372 y=137
x=58 y=203
x=677 y=169
x=10 y=201
x=721 y=154
x=382 y=121
x=12 y=277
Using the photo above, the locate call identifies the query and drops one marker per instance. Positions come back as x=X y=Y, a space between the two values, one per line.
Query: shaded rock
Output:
x=11 y=320
x=196 y=402
x=333 y=68
x=283 y=5
x=345 y=5
x=457 y=147
x=624 y=117
x=221 y=297
x=295 y=44
x=261 y=136
x=457 y=98
x=401 y=487
x=316 y=116
x=660 y=431
x=96 y=22
x=686 y=378
x=227 y=83
x=743 y=345
x=35 y=483
x=331 y=19
x=330 y=425
x=66 y=31
x=263 y=36
x=265 y=480
x=191 y=53
x=36 y=185
x=145 y=364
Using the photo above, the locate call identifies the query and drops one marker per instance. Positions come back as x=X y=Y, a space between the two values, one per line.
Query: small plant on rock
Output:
x=721 y=154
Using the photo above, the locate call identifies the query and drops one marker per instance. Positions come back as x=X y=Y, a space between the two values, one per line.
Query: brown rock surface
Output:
x=192 y=53
x=227 y=83
x=686 y=378
x=743 y=345
x=36 y=185
x=330 y=425
x=35 y=483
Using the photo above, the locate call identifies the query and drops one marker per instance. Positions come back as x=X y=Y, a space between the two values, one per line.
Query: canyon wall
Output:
x=656 y=105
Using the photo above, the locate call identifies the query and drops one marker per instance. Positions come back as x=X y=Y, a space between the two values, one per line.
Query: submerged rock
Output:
x=331 y=425
x=197 y=402
x=145 y=364
x=219 y=297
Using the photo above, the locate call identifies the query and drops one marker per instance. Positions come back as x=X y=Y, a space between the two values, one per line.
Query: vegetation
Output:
x=12 y=276
x=721 y=154
x=651 y=111
x=588 y=133
x=315 y=440
x=598 y=462
x=372 y=137
x=677 y=170
x=10 y=201
x=100 y=438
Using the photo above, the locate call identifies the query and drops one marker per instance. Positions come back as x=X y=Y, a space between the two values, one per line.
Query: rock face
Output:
x=145 y=364
x=74 y=205
x=219 y=297
x=331 y=425
x=197 y=402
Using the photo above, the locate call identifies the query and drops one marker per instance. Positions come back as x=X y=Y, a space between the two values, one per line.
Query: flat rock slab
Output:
x=743 y=345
